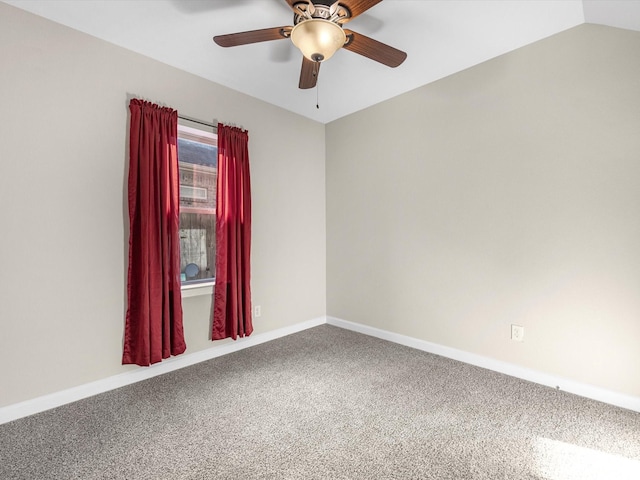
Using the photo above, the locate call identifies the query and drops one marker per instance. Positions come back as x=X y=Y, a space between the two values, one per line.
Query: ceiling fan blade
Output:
x=253 y=36
x=309 y=73
x=357 y=7
x=373 y=49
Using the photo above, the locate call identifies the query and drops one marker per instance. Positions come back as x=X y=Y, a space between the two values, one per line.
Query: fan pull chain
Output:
x=317 y=67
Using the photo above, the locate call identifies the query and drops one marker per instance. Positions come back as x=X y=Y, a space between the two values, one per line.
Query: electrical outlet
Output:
x=517 y=333
x=257 y=311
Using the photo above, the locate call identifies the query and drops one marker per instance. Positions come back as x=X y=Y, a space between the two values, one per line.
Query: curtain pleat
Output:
x=232 y=294
x=153 y=328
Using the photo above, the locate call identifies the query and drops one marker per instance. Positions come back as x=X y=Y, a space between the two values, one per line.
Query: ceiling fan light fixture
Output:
x=318 y=39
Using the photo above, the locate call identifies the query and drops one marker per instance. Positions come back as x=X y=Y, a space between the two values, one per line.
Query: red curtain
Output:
x=232 y=296
x=153 y=328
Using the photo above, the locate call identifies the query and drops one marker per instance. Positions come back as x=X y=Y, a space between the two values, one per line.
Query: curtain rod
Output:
x=215 y=127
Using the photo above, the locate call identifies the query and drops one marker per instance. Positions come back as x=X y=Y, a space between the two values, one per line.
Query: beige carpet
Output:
x=327 y=403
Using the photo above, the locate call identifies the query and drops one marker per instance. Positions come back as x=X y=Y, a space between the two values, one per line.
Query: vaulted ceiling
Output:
x=441 y=37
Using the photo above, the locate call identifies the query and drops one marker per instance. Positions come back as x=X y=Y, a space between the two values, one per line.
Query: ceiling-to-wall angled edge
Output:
x=440 y=38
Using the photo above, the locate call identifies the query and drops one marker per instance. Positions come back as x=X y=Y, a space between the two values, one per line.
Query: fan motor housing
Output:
x=320 y=9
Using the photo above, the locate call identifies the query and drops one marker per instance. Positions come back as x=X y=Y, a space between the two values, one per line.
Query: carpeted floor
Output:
x=327 y=403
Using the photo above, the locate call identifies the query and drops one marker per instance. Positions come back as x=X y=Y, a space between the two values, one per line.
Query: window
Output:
x=197 y=161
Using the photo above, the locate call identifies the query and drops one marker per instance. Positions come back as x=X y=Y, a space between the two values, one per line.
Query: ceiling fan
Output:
x=317 y=31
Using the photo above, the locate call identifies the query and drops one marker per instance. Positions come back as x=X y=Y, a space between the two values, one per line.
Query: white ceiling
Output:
x=441 y=37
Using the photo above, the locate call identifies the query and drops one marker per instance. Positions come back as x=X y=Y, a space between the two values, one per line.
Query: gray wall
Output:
x=63 y=153
x=507 y=193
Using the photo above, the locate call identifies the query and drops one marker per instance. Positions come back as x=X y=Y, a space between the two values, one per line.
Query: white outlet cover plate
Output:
x=517 y=333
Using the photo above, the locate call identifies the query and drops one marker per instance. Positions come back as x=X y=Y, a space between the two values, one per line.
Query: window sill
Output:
x=197 y=289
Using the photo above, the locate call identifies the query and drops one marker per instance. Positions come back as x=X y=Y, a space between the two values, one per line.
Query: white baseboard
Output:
x=47 y=402
x=584 y=390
